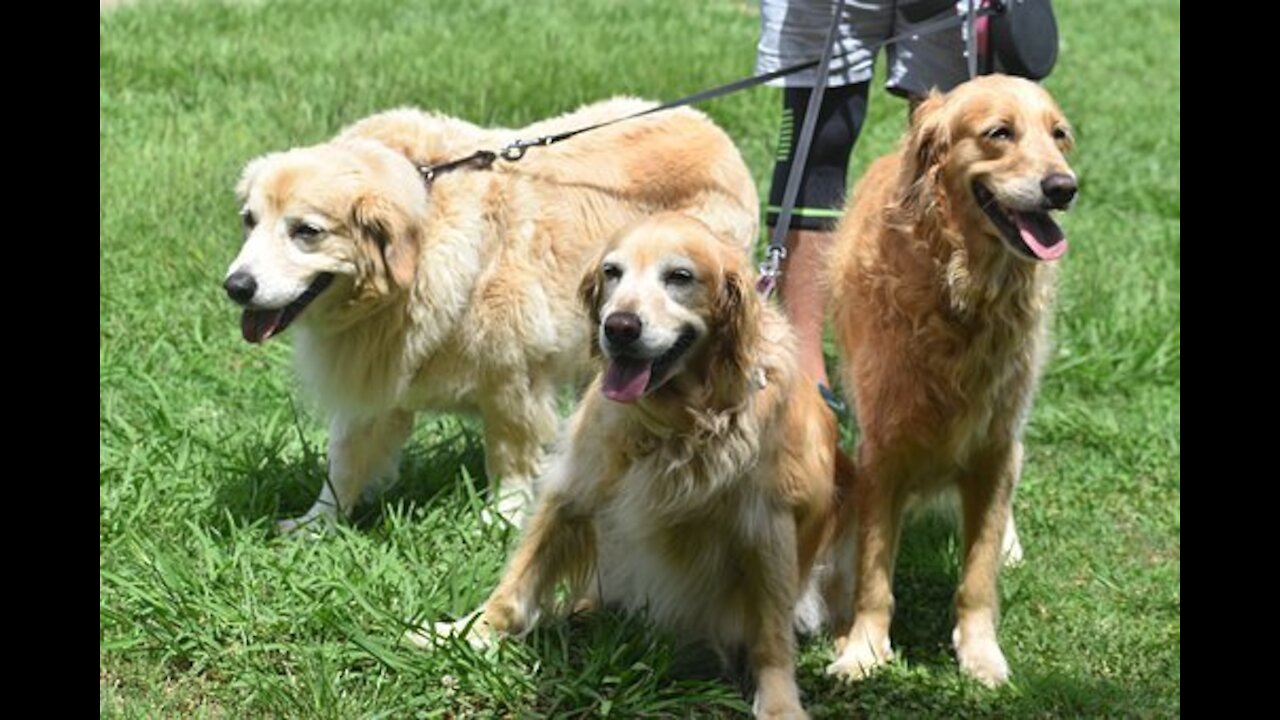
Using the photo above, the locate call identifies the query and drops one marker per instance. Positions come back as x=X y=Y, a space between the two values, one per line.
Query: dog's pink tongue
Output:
x=1041 y=234
x=625 y=380
x=258 y=325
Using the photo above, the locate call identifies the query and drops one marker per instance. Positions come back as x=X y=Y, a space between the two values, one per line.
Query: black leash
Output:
x=514 y=151
x=771 y=269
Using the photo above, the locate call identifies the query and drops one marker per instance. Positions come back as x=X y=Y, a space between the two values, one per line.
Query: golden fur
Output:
x=942 y=324
x=461 y=296
x=706 y=501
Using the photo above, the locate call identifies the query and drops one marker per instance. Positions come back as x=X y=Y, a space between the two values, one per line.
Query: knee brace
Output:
x=820 y=199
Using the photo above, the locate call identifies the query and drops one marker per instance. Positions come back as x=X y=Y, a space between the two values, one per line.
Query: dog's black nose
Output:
x=622 y=328
x=1060 y=188
x=241 y=286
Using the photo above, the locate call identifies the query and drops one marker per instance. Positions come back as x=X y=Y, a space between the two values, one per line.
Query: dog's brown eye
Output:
x=611 y=271
x=1060 y=134
x=306 y=231
x=1001 y=132
x=247 y=217
x=679 y=276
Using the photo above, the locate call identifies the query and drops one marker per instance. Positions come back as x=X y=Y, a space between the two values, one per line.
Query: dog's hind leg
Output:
x=518 y=423
x=358 y=451
x=1010 y=546
x=811 y=609
x=838 y=578
x=839 y=581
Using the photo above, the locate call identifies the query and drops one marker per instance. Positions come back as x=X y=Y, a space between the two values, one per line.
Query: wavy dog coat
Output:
x=942 y=276
x=699 y=479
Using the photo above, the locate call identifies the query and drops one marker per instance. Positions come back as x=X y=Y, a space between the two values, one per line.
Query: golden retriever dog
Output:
x=942 y=275
x=460 y=294
x=697 y=482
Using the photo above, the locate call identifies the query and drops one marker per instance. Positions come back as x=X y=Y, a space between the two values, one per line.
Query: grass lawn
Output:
x=204 y=441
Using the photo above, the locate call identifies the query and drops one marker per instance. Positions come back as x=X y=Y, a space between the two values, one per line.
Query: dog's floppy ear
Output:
x=929 y=136
x=250 y=174
x=736 y=317
x=393 y=239
x=590 y=292
x=923 y=156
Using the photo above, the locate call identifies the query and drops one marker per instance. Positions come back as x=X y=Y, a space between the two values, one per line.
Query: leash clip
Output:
x=770 y=270
x=516 y=149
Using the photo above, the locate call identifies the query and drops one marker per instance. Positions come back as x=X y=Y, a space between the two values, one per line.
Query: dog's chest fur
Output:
x=677 y=541
x=989 y=383
x=972 y=362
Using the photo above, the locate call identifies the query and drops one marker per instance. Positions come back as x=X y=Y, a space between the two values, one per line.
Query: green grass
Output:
x=204 y=440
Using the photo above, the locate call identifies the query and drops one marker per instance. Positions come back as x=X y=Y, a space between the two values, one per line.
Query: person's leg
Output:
x=804 y=296
x=818 y=207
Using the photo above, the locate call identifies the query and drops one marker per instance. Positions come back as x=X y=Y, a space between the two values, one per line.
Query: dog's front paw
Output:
x=784 y=707
x=860 y=656
x=980 y=657
x=787 y=711
x=315 y=522
x=794 y=712
x=380 y=484
x=473 y=628
x=514 y=503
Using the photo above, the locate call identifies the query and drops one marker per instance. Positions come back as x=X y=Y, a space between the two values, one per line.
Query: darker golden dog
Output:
x=942 y=274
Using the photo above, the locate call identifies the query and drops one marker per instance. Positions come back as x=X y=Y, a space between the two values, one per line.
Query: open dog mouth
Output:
x=628 y=378
x=1032 y=233
x=258 y=325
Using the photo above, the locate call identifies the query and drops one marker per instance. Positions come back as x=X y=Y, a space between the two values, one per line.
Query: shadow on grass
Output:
x=910 y=694
x=924 y=587
x=926 y=681
x=261 y=482
x=594 y=663
x=597 y=663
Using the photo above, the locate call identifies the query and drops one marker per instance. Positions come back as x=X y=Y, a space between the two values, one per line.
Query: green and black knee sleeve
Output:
x=822 y=188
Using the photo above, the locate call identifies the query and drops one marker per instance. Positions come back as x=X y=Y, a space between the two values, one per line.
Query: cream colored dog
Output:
x=459 y=295
x=943 y=273
x=699 y=483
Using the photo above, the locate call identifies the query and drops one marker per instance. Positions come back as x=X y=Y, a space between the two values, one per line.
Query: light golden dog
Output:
x=460 y=295
x=698 y=484
x=942 y=276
